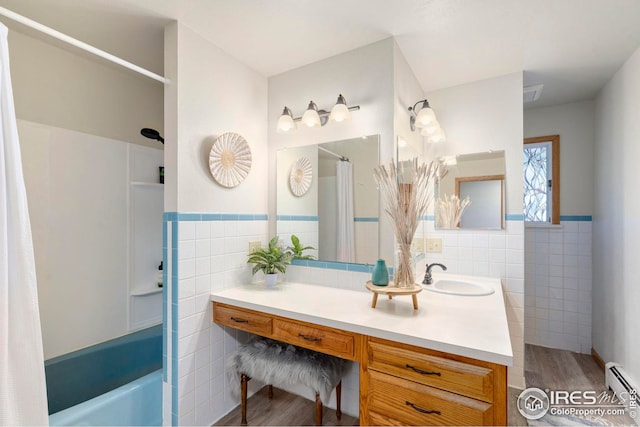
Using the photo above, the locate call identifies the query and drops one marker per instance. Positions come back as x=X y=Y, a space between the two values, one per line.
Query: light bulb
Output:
x=311 y=117
x=285 y=122
x=340 y=111
x=438 y=137
x=425 y=117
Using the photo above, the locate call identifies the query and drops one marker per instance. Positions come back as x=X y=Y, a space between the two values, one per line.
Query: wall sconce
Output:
x=313 y=117
x=425 y=119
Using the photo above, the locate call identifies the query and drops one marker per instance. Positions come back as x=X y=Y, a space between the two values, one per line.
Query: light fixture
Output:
x=314 y=117
x=286 y=122
x=425 y=119
x=340 y=112
x=311 y=118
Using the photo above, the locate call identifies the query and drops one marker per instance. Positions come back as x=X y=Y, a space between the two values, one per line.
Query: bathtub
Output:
x=117 y=382
x=138 y=403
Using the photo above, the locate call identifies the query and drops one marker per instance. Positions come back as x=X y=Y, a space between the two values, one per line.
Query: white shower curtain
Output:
x=346 y=251
x=23 y=397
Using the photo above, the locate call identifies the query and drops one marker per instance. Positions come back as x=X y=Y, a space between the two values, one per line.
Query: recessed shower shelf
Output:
x=147 y=184
x=147 y=291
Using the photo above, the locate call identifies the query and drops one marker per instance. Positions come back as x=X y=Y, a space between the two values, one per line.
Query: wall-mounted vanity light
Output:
x=425 y=120
x=313 y=117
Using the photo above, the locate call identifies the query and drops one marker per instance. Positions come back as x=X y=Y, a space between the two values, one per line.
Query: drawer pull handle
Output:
x=420 y=371
x=235 y=319
x=419 y=409
x=308 y=338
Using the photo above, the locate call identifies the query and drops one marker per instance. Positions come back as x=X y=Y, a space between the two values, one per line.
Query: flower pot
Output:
x=271 y=279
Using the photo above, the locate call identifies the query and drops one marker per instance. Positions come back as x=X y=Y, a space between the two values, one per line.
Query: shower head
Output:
x=151 y=134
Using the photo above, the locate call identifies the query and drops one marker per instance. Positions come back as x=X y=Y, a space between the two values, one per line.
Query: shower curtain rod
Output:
x=342 y=158
x=79 y=44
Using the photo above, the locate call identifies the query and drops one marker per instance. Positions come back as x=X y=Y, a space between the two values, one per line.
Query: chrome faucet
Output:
x=427 y=275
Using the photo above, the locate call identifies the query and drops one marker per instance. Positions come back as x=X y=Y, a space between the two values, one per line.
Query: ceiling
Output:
x=571 y=46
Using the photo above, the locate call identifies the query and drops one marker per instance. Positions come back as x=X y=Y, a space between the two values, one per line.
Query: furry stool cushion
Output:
x=280 y=364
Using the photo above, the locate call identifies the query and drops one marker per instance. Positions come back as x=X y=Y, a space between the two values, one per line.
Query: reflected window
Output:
x=541 y=162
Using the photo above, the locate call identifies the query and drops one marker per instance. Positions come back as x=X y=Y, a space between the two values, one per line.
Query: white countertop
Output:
x=471 y=326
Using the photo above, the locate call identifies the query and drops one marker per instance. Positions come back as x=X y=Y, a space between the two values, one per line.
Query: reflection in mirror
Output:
x=338 y=214
x=480 y=178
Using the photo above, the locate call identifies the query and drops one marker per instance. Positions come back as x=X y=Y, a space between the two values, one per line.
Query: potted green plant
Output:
x=296 y=249
x=270 y=260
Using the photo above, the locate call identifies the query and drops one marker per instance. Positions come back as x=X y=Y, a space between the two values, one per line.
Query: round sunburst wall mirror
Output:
x=300 y=176
x=230 y=159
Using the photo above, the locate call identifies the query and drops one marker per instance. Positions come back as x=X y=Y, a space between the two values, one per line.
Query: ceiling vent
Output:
x=532 y=93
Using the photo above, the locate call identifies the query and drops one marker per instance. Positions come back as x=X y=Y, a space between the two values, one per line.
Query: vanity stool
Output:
x=277 y=363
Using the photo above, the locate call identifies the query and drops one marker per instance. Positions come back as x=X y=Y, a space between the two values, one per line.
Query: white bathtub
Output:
x=138 y=403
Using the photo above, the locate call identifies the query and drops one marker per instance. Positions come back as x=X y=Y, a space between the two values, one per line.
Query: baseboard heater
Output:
x=623 y=386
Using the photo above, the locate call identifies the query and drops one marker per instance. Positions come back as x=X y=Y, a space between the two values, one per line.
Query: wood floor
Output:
x=285 y=409
x=545 y=368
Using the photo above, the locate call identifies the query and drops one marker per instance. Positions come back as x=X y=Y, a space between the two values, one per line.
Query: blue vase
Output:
x=380 y=276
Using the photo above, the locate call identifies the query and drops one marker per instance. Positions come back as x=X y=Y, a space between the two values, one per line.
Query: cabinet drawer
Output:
x=324 y=340
x=246 y=320
x=429 y=369
x=407 y=402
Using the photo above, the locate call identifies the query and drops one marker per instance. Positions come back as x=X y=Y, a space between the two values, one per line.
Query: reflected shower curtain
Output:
x=23 y=395
x=346 y=251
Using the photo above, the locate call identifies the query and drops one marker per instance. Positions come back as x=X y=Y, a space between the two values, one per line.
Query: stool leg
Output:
x=318 y=410
x=244 y=379
x=270 y=391
x=338 y=400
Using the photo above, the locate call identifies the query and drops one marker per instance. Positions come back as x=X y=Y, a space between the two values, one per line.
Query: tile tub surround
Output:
x=558 y=277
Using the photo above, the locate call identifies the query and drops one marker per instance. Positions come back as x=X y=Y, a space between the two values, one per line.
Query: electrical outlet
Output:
x=418 y=244
x=254 y=244
x=434 y=245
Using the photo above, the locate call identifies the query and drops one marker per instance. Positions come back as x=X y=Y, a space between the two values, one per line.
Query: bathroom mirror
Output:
x=479 y=176
x=338 y=213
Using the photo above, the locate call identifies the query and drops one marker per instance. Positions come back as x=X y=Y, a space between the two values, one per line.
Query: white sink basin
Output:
x=460 y=287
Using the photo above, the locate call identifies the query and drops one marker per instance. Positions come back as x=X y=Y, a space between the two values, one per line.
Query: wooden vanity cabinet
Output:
x=408 y=385
x=400 y=384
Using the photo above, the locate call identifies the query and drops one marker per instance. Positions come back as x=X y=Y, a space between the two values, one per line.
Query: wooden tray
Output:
x=391 y=290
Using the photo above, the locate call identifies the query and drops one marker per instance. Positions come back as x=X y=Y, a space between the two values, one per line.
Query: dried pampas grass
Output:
x=449 y=210
x=407 y=192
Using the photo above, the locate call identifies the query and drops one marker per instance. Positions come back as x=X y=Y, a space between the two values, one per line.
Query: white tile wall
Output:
x=211 y=256
x=558 y=286
x=307 y=231
x=495 y=253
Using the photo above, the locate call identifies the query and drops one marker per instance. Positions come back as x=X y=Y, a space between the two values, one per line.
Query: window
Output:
x=542 y=179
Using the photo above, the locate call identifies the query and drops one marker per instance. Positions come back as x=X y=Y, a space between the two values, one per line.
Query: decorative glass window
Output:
x=541 y=162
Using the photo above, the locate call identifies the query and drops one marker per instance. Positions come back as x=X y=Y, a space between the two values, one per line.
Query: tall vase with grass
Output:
x=407 y=191
x=270 y=260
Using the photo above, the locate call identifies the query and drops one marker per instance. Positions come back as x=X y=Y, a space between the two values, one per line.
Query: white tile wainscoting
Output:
x=495 y=253
x=207 y=252
x=558 y=280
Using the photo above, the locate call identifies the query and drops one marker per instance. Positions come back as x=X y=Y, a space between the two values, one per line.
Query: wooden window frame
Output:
x=555 y=172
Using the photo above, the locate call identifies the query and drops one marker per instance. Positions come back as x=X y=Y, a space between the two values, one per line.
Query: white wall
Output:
x=575 y=124
x=558 y=278
x=481 y=116
x=616 y=230
x=216 y=95
x=210 y=93
x=365 y=77
x=73 y=90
